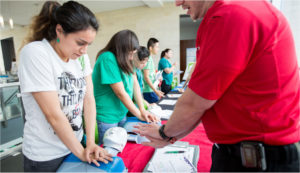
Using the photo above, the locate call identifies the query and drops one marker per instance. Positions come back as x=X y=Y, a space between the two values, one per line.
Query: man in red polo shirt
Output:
x=245 y=88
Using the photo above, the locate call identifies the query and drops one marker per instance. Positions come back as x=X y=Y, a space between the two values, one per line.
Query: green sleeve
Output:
x=162 y=64
x=149 y=64
x=109 y=69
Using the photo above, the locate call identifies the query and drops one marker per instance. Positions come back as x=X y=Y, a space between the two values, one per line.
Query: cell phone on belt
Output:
x=253 y=155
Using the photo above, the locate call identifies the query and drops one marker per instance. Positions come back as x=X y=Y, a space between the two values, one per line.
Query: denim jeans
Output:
x=102 y=127
x=45 y=166
x=151 y=97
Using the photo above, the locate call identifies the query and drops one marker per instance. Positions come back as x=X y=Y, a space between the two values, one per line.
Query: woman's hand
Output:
x=94 y=153
x=149 y=117
x=160 y=94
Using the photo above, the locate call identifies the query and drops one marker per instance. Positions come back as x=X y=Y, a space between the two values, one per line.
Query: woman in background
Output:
x=165 y=65
x=115 y=83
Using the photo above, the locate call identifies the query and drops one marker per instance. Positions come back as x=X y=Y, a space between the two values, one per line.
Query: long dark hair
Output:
x=163 y=53
x=72 y=16
x=120 y=45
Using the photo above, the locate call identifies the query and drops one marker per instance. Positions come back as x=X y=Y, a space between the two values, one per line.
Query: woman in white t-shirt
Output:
x=56 y=86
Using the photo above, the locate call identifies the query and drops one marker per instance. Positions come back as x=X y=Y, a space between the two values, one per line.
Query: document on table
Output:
x=156 y=110
x=174 y=95
x=168 y=102
x=173 y=159
x=166 y=114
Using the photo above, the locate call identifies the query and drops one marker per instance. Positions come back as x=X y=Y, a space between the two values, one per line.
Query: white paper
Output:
x=166 y=114
x=174 y=95
x=168 y=102
x=158 y=112
x=174 y=162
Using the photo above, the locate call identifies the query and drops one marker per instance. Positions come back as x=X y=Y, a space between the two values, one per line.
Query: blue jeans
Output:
x=151 y=97
x=102 y=127
x=45 y=166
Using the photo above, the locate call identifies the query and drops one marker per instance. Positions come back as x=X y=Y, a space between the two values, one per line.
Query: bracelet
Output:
x=162 y=134
x=172 y=140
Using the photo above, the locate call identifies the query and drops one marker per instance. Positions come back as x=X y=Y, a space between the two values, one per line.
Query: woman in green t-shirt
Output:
x=115 y=83
x=165 y=65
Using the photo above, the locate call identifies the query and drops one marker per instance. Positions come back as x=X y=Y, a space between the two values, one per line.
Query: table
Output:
x=136 y=156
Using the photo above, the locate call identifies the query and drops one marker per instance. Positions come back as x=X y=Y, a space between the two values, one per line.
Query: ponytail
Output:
x=163 y=53
x=43 y=25
x=72 y=16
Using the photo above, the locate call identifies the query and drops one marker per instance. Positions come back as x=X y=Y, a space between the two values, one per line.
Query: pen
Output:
x=174 y=152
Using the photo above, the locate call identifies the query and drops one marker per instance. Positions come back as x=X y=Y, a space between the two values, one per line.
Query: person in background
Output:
x=245 y=88
x=57 y=87
x=115 y=83
x=151 y=93
x=165 y=65
x=139 y=62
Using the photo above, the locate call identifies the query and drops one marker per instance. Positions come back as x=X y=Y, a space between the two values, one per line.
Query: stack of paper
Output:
x=156 y=110
x=174 y=95
x=168 y=102
x=173 y=158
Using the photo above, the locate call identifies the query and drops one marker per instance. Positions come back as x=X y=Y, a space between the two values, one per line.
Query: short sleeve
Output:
x=226 y=45
x=148 y=66
x=35 y=69
x=162 y=64
x=109 y=69
x=87 y=70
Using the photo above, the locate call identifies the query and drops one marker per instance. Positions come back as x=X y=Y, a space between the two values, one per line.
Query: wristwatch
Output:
x=172 y=140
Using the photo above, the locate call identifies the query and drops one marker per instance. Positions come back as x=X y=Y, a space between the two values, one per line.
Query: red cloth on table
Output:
x=136 y=156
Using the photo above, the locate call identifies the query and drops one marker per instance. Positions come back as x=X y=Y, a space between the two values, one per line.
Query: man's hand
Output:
x=156 y=143
x=150 y=131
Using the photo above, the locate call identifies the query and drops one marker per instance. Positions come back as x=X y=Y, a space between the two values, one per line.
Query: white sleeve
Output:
x=35 y=69
x=87 y=70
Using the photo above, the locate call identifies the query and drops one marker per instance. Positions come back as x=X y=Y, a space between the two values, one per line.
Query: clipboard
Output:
x=179 y=144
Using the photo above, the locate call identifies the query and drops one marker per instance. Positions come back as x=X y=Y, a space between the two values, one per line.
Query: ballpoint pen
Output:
x=174 y=152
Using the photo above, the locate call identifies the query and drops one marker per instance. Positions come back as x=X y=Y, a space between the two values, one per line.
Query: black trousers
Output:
x=227 y=158
x=46 y=166
x=165 y=88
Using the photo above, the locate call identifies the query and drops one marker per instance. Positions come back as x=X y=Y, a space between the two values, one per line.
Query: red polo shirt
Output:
x=246 y=60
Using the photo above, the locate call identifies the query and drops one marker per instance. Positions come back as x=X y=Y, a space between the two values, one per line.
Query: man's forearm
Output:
x=187 y=114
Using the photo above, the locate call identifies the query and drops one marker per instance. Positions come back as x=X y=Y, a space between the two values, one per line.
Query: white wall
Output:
x=161 y=23
x=291 y=9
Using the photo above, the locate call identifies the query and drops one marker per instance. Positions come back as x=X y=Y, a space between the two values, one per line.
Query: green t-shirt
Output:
x=106 y=71
x=139 y=77
x=151 y=68
x=164 y=63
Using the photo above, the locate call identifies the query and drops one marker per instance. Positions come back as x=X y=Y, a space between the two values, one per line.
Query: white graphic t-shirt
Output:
x=41 y=69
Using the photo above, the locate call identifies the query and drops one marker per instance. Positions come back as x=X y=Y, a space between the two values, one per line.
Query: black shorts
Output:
x=165 y=88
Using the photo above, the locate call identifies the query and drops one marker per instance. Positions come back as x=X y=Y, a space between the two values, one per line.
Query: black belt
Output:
x=273 y=152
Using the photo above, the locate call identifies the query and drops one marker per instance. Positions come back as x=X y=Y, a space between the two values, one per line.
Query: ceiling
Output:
x=23 y=10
